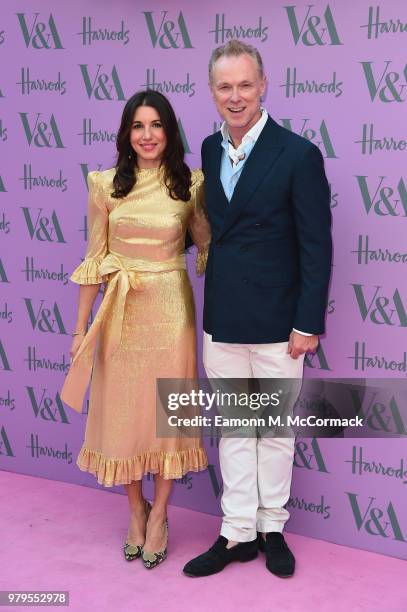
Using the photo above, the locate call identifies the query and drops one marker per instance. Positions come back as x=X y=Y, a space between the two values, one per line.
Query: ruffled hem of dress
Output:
x=169 y=465
x=87 y=273
x=201 y=261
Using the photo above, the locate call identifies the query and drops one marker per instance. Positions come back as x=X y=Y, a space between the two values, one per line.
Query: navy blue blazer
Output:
x=269 y=261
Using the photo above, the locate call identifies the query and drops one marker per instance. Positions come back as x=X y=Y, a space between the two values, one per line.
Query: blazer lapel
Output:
x=262 y=157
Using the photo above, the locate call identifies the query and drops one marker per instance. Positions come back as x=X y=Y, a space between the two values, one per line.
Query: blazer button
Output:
x=245 y=280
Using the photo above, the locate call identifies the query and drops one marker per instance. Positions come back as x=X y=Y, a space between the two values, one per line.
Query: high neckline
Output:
x=146 y=170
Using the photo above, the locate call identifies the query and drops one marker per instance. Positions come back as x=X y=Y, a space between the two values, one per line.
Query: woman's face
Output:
x=147 y=137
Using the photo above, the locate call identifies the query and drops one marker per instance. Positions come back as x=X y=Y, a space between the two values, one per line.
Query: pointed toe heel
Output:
x=152 y=559
x=135 y=551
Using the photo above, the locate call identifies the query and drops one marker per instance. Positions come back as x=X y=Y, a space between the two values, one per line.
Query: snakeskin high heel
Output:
x=133 y=551
x=152 y=559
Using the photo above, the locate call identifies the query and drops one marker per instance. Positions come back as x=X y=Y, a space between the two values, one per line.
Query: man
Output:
x=266 y=289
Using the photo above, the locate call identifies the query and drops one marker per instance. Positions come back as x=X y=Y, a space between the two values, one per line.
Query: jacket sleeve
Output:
x=312 y=213
x=87 y=273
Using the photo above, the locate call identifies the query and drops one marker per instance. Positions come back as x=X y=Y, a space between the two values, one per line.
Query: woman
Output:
x=138 y=214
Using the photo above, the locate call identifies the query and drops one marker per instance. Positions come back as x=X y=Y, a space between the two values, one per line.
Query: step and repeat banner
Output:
x=337 y=75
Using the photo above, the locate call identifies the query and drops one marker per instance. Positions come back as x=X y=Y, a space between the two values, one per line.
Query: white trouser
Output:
x=256 y=472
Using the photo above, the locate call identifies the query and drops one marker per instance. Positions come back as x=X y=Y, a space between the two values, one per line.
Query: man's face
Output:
x=236 y=87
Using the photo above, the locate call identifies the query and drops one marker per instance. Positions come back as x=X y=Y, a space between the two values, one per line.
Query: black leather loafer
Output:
x=218 y=556
x=280 y=560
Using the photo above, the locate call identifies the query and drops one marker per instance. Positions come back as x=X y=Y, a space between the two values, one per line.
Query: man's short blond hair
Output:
x=234 y=48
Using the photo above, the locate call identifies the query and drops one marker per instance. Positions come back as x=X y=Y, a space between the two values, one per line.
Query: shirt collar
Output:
x=251 y=135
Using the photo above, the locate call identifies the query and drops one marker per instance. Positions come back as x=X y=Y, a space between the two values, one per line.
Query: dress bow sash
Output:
x=123 y=273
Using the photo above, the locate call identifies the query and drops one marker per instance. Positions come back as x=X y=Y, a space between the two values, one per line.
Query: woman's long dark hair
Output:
x=177 y=175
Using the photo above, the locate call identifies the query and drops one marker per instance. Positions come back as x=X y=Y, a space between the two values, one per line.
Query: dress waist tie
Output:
x=124 y=273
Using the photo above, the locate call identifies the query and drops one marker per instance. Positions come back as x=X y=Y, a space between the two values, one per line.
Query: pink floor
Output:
x=56 y=535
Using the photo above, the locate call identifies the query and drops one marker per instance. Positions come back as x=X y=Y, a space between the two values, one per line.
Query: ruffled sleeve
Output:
x=87 y=273
x=198 y=225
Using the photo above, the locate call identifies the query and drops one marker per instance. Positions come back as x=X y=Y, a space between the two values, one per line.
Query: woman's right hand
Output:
x=76 y=342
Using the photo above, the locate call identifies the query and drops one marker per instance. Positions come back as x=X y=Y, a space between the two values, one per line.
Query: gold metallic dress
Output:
x=144 y=328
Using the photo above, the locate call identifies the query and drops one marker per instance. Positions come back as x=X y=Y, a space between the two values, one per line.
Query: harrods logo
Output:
x=3 y=275
x=8 y=401
x=368 y=255
x=362 y=360
x=222 y=32
x=40 y=34
x=385 y=200
x=319 y=136
x=40 y=85
x=294 y=86
x=317 y=360
x=375 y=27
x=309 y=456
x=361 y=466
x=91 y=34
x=186 y=86
x=43 y=227
x=3 y=132
x=379 y=308
x=379 y=415
x=370 y=144
x=46 y=407
x=42 y=133
x=6 y=314
x=34 y=272
x=313 y=29
x=4 y=223
x=4 y=362
x=102 y=85
x=334 y=197
x=331 y=307
x=31 y=182
x=38 y=451
x=387 y=85
x=376 y=520
x=168 y=33
x=186 y=480
x=5 y=446
x=44 y=319
x=308 y=506
x=91 y=136
x=37 y=363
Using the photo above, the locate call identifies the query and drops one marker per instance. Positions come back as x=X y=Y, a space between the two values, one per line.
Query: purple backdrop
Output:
x=338 y=75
